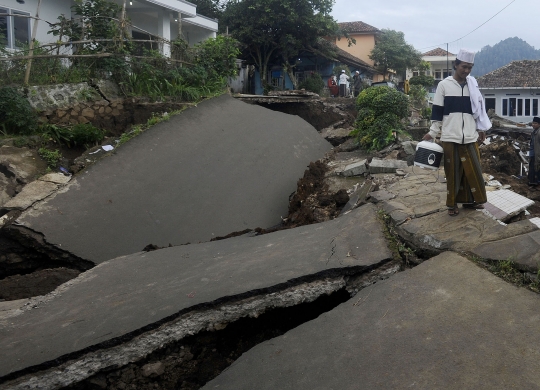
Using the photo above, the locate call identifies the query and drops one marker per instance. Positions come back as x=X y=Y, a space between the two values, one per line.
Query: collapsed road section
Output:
x=125 y=309
x=200 y=175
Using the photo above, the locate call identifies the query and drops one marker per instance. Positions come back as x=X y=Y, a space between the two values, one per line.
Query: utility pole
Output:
x=447 y=69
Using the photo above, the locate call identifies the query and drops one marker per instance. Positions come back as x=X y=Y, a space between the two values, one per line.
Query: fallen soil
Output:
x=37 y=283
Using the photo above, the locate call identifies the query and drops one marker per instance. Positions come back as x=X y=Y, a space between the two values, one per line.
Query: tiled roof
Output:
x=438 y=52
x=357 y=27
x=525 y=74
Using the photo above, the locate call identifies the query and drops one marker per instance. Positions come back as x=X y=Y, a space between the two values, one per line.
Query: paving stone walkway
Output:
x=417 y=206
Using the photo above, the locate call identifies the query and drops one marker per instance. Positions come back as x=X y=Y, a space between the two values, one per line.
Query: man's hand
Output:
x=481 y=136
x=427 y=137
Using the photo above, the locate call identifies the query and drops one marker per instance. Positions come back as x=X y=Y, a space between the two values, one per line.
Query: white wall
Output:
x=49 y=11
x=516 y=101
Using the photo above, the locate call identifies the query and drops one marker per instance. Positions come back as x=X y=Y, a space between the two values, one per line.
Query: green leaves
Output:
x=392 y=52
x=277 y=30
x=16 y=114
x=380 y=112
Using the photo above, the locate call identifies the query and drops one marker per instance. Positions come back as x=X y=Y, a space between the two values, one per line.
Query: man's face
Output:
x=463 y=69
x=535 y=125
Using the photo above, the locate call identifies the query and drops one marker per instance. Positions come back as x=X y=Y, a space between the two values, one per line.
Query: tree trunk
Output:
x=289 y=69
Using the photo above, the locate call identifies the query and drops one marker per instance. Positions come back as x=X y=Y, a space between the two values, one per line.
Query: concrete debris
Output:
x=356 y=169
x=409 y=147
x=386 y=166
x=57 y=178
x=30 y=194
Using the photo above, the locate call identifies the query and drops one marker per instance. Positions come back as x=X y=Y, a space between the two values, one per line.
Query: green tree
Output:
x=380 y=114
x=392 y=52
x=278 y=29
x=423 y=80
x=218 y=55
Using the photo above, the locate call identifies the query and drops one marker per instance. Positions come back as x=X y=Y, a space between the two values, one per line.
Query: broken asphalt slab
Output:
x=118 y=311
x=220 y=167
x=446 y=324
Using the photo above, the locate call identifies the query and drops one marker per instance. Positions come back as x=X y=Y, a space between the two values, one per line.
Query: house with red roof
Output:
x=441 y=65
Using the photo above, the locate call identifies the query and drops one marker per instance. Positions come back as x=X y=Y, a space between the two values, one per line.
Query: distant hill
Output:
x=504 y=52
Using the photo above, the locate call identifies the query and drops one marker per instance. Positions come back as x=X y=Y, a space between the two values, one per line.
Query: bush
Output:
x=426 y=113
x=85 y=134
x=423 y=80
x=16 y=114
x=314 y=83
x=52 y=157
x=380 y=113
x=418 y=95
x=54 y=133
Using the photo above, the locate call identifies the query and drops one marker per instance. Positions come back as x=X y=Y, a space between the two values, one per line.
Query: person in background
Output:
x=459 y=115
x=534 y=162
x=333 y=86
x=343 y=81
x=357 y=83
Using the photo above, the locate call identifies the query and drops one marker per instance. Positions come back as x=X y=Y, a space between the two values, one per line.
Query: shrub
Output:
x=426 y=113
x=380 y=113
x=52 y=157
x=418 y=95
x=57 y=134
x=314 y=83
x=16 y=114
x=423 y=80
x=85 y=134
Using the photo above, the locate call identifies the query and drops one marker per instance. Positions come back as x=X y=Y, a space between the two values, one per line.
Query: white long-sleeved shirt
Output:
x=452 y=115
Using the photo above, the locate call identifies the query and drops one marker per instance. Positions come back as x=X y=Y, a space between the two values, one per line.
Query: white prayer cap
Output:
x=466 y=56
x=343 y=71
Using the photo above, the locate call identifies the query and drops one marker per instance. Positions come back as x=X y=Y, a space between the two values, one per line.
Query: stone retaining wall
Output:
x=100 y=103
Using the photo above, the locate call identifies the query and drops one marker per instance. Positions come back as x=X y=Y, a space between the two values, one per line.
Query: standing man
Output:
x=459 y=115
x=357 y=83
x=343 y=81
x=534 y=162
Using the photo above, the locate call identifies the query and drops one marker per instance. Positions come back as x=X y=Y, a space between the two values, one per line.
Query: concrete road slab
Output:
x=523 y=250
x=446 y=324
x=129 y=293
x=220 y=167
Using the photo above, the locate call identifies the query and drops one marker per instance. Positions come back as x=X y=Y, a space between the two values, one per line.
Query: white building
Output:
x=441 y=66
x=163 y=18
x=513 y=90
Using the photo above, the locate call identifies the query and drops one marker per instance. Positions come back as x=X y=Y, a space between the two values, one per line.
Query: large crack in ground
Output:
x=30 y=266
x=188 y=351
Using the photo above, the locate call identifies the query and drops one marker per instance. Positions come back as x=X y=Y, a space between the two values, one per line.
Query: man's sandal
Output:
x=453 y=211
x=475 y=206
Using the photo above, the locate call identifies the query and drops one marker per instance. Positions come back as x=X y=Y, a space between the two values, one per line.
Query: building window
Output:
x=14 y=29
x=437 y=74
x=415 y=73
x=490 y=103
x=519 y=107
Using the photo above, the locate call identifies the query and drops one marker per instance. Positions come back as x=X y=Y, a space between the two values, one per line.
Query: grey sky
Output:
x=428 y=23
